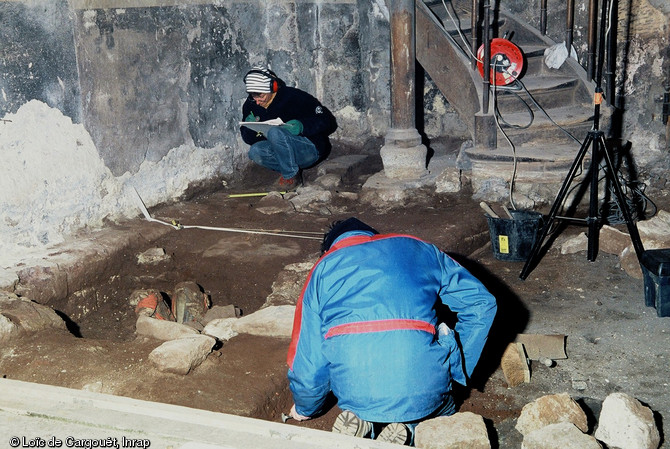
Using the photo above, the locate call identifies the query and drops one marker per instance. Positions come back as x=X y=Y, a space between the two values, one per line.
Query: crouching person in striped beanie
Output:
x=300 y=140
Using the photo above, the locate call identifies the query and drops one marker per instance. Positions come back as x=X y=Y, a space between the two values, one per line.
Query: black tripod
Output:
x=596 y=138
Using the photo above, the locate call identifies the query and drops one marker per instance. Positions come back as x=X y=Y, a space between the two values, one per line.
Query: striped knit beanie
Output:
x=259 y=80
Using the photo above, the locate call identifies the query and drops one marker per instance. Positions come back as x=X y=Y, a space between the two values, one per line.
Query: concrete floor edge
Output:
x=36 y=415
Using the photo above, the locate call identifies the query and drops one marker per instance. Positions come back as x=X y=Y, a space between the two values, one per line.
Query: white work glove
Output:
x=443 y=330
x=297 y=416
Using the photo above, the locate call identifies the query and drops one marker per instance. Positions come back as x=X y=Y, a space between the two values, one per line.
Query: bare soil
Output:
x=614 y=342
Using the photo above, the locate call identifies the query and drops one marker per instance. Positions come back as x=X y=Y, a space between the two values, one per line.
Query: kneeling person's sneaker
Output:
x=394 y=433
x=347 y=423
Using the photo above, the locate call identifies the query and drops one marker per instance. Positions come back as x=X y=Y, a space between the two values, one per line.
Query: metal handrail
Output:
x=474 y=29
x=543 y=17
x=569 y=23
x=486 y=63
x=591 y=55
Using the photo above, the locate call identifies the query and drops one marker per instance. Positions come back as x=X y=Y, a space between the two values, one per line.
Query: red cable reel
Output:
x=506 y=60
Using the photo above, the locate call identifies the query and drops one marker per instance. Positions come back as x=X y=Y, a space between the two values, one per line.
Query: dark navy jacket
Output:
x=289 y=104
x=364 y=328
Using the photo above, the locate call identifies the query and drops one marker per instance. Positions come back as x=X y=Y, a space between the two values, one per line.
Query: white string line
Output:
x=148 y=217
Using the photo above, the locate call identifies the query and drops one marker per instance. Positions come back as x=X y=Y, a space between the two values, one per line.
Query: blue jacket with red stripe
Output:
x=364 y=328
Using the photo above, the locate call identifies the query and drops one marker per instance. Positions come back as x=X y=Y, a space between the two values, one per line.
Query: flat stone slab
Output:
x=42 y=412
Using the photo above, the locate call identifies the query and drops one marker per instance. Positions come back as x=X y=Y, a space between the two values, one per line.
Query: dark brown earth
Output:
x=590 y=302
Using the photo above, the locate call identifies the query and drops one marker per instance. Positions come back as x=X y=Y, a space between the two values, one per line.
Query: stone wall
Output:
x=156 y=77
x=148 y=76
x=37 y=56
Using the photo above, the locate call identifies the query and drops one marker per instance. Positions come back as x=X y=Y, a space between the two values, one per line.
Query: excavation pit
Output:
x=246 y=376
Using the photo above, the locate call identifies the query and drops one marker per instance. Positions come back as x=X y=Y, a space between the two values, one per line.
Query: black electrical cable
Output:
x=505 y=124
x=640 y=206
x=637 y=202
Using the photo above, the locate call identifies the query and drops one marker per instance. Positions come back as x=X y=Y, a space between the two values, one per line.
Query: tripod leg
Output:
x=535 y=250
x=592 y=220
x=623 y=204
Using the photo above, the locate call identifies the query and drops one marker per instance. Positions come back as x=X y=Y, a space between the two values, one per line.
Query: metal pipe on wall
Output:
x=543 y=17
x=569 y=24
x=473 y=37
x=592 y=29
x=486 y=26
x=611 y=43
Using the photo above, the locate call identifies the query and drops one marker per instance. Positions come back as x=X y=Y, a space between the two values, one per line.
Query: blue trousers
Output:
x=447 y=408
x=284 y=152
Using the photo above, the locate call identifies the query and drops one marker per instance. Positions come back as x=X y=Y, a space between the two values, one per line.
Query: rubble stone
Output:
x=161 y=329
x=562 y=435
x=310 y=198
x=625 y=423
x=551 y=409
x=656 y=228
x=221 y=328
x=349 y=196
x=274 y=321
x=575 y=244
x=460 y=430
x=629 y=261
x=449 y=181
x=96 y=386
x=382 y=192
x=218 y=312
x=7 y=328
x=8 y=279
x=182 y=355
x=273 y=203
x=612 y=241
x=288 y=285
x=152 y=256
x=21 y=314
x=654 y=233
x=329 y=181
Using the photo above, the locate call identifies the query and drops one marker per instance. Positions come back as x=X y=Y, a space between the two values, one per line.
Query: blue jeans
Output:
x=284 y=152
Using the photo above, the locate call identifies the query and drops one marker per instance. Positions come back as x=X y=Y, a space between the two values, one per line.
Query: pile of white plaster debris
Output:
x=53 y=180
x=54 y=183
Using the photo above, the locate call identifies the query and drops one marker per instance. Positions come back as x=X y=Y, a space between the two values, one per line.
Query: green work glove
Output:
x=251 y=118
x=293 y=126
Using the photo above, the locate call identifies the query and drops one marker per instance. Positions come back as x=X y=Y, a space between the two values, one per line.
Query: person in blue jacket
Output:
x=366 y=329
x=301 y=142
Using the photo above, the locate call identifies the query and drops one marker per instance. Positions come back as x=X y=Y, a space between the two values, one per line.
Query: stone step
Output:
x=546 y=90
x=566 y=124
x=557 y=156
x=545 y=116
